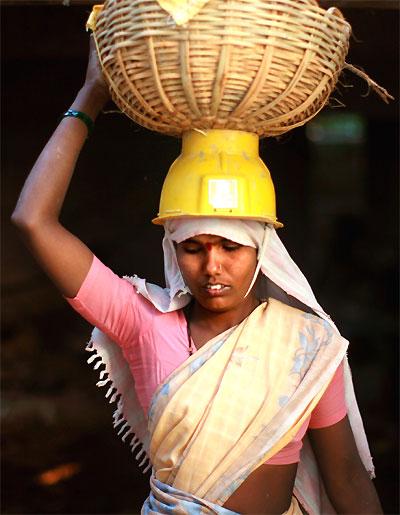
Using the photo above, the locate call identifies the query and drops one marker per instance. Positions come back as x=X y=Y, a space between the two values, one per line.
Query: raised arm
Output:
x=62 y=255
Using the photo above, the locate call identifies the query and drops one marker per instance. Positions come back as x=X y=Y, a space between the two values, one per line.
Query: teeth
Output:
x=214 y=286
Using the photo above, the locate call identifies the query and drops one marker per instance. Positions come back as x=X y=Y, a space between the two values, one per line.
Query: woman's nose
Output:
x=213 y=264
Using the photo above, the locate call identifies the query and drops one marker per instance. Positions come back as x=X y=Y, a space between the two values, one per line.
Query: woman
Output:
x=225 y=383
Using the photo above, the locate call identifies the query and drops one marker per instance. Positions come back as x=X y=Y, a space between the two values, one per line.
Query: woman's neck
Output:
x=217 y=322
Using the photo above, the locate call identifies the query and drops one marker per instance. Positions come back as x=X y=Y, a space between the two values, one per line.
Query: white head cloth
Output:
x=273 y=261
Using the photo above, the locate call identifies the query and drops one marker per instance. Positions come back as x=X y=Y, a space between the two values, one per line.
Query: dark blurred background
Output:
x=337 y=193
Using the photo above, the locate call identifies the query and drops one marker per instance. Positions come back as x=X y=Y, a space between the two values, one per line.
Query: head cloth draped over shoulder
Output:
x=274 y=261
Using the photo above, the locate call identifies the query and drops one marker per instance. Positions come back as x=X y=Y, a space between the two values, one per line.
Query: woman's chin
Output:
x=215 y=305
x=218 y=304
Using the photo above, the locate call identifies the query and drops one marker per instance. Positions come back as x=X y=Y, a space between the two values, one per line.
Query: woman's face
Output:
x=218 y=271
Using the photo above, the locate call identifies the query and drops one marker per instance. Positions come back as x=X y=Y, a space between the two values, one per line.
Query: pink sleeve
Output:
x=332 y=405
x=111 y=304
x=330 y=409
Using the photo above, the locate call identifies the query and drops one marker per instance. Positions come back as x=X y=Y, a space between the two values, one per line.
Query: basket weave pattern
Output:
x=263 y=66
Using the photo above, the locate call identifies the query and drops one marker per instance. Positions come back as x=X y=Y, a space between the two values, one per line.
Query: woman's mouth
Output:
x=217 y=289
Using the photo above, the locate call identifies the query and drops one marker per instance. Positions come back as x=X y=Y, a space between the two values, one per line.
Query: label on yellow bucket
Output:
x=182 y=10
x=223 y=193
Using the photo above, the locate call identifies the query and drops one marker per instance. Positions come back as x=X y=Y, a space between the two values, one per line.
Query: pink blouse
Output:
x=155 y=344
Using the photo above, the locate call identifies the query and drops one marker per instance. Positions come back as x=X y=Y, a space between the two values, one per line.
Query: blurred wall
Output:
x=338 y=201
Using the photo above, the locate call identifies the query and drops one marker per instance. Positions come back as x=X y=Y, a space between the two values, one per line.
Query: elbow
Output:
x=25 y=223
x=18 y=219
x=21 y=221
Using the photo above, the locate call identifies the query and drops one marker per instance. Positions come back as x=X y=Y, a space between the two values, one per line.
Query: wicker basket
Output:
x=264 y=66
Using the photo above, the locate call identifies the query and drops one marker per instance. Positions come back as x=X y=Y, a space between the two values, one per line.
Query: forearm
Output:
x=44 y=191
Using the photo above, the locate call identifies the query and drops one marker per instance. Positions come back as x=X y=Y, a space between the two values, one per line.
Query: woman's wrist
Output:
x=91 y=99
x=98 y=89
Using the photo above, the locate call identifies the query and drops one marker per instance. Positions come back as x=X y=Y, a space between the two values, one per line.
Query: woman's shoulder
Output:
x=115 y=304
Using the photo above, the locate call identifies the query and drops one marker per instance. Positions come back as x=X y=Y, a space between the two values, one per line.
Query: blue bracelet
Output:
x=82 y=116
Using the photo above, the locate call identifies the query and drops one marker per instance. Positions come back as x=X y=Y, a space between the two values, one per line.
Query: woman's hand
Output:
x=94 y=75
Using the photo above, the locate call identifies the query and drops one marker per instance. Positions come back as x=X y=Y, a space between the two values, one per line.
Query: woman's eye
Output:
x=191 y=250
x=231 y=248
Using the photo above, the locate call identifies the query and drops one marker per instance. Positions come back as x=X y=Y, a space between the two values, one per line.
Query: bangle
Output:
x=82 y=116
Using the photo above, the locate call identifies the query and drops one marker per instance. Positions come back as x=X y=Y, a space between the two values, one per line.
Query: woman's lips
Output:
x=216 y=290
